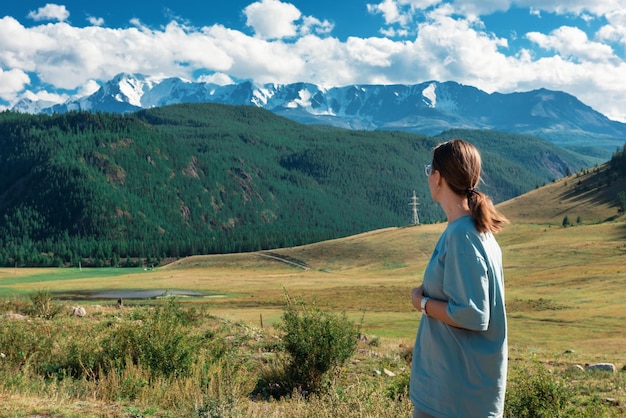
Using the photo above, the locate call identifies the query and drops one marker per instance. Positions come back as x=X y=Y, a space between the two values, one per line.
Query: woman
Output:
x=460 y=355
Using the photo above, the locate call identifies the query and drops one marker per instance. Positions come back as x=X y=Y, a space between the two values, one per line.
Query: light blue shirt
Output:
x=462 y=372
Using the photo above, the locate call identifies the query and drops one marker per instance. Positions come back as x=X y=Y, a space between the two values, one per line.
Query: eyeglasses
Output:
x=428 y=169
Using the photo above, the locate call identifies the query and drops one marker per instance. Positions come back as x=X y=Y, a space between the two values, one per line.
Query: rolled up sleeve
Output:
x=466 y=284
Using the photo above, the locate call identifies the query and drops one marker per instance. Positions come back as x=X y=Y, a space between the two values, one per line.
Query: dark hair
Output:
x=459 y=163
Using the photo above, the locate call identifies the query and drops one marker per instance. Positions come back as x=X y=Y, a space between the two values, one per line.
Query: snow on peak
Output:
x=430 y=94
x=132 y=87
x=303 y=100
x=131 y=91
x=262 y=95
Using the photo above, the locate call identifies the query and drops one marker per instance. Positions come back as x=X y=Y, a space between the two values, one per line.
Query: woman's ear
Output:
x=437 y=178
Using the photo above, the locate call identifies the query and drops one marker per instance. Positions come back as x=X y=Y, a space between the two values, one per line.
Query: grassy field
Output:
x=564 y=285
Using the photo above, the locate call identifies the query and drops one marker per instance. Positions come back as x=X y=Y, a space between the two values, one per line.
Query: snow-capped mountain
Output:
x=427 y=108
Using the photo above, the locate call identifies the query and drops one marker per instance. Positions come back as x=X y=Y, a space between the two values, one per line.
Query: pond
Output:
x=123 y=294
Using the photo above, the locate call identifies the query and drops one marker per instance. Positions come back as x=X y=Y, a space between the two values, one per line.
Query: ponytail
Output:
x=484 y=214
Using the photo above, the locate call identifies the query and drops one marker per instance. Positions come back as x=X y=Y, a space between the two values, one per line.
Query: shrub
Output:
x=161 y=342
x=15 y=305
x=621 y=202
x=23 y=343
x=536 y=393
x=316 y=342
x=399 y=386
x=42 y=306
x=228 y=384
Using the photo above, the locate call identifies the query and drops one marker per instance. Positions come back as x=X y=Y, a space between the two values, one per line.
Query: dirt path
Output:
x=285 y=259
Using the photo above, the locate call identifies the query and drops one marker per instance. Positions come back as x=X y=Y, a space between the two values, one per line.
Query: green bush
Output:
x=23 y=343
x=316 y=342
x=399 y=386
x=42 y=305
x=160 y=342
x=536 y=393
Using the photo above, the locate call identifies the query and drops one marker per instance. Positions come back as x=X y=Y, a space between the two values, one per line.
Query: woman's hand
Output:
x=417 y=294
x=436 y=309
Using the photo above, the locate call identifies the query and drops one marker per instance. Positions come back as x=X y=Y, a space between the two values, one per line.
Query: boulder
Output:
x=78 y=311
x=576 y=368
x=11 y=315
x=606 y=367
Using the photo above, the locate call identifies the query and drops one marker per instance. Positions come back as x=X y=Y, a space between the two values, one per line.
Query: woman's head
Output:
x=459 y=164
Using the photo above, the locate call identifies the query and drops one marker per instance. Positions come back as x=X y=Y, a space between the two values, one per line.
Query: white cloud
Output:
x=66 y=56
x=390 y=11
x=400 y=15
x=12 y=81
x=50 y=12
x=393 y=33
x=95 y=21
x=137 y=23
x=599 y=85
x=285 y=46
x=615 y=30
x=587 y=17
x=404 y=11
x=45 y=96
x=220 y=79
x=372 y=52
x=87 y=89
x=311 y=24
x=19 y=45
x=572 y=42
x=272 y=19
x=576 y=7
x=453 y=49
x=248 y=57
x=326 y=62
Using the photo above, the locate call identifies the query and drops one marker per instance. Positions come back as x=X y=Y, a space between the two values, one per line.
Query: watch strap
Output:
x=423 y=305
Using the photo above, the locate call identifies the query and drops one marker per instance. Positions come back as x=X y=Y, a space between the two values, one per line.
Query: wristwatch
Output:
x=423 y=305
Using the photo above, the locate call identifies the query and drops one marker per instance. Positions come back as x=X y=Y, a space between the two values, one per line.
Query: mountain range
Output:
x=427 y=108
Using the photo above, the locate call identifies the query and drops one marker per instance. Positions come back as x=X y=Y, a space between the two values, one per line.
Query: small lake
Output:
x=123 y=294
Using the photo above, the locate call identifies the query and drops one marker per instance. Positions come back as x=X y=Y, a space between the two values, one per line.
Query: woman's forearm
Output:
x=434 y=308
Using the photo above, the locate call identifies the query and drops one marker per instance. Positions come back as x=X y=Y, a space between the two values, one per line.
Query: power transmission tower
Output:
x=415 y=203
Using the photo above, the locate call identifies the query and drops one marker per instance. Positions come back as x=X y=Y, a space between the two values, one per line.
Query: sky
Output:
x=56 y=51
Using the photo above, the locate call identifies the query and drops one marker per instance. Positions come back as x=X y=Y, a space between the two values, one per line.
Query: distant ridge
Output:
x=428 y=108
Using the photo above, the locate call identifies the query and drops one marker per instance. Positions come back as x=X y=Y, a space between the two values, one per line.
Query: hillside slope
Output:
x=199 y=178
x=589 y=196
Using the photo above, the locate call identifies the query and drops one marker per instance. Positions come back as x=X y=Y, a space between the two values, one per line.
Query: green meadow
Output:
x=564 y=290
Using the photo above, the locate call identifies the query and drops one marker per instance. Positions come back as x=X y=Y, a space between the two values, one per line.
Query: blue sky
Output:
x=56 y=51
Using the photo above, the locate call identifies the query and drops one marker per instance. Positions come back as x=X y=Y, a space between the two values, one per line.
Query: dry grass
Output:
x=564 y=285
x=590 y=196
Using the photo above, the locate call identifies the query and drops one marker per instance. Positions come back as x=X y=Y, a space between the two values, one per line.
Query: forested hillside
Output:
x=107 y=189
x=618 y=161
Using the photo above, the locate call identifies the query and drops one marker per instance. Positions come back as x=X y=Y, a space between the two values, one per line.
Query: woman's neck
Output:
x=455 y=207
